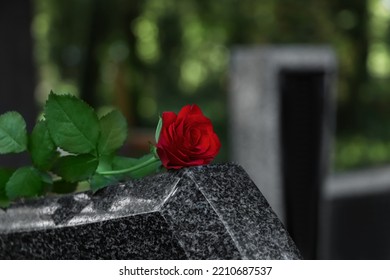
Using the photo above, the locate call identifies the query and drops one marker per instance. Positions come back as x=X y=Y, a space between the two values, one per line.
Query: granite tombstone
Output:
x=208 y=212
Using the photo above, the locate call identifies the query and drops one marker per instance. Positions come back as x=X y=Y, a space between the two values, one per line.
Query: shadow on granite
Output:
x=207 y=212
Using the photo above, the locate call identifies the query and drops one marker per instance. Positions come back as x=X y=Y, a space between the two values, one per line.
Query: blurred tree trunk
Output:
x=97 y=31
x=348 y=113
x=17 y=75
x=100 y=25
x=125 y=92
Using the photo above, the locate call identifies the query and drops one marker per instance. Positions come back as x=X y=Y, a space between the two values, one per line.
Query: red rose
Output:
x=187 y=139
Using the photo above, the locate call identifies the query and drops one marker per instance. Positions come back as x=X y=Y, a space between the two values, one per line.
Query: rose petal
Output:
x=189 y=110
x=173 y=161
x=215 y=146
x=195 y=110
x=195 y=136
x=183 y=113
x=168 y=118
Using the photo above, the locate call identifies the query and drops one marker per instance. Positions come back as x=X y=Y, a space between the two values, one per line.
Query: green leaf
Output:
x=73 y=125
x=24 y=182
x=98 y=181
x=113 y=128
x=63 y=187
x=158 y=129
x=5 y=174
x=46 y=178
x=47 y=181
x=76 y=168
x=42 y=148
x=13 y=134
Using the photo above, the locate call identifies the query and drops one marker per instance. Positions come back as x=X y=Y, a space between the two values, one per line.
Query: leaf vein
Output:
x=11 y=137
x=73 y=123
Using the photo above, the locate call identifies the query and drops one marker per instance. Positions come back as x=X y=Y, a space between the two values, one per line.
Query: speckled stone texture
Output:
x=207 y=212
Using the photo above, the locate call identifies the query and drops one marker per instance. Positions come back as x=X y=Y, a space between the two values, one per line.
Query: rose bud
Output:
x=187 y=139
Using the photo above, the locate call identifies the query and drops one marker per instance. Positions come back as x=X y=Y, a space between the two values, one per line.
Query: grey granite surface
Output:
x=207 y=212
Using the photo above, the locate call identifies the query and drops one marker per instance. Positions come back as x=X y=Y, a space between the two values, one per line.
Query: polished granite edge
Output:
x=246 y=214
x=196 y=225
x=124 y=199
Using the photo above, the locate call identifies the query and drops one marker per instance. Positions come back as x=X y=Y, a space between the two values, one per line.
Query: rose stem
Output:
x=133 y=168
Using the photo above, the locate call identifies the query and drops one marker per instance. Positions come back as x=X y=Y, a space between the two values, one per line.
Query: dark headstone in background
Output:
x=355 y=219
x=209 y=212
x=17 y=73
x=282 y=116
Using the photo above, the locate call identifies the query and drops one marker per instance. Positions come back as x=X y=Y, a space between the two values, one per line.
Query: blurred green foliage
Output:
x=149 y=56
